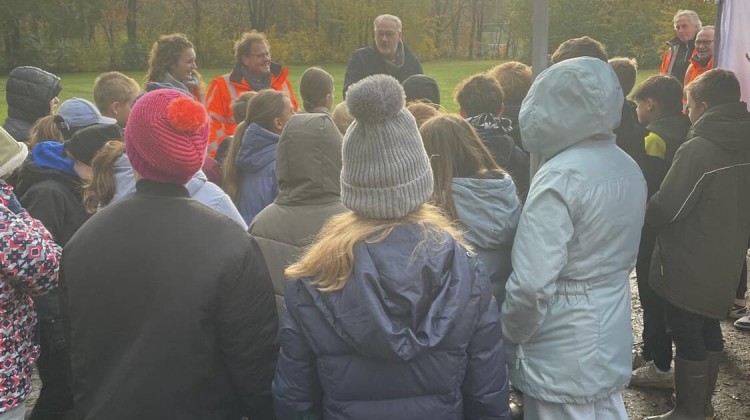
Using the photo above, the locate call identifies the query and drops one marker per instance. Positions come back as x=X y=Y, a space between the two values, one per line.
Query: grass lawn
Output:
x=447 y=74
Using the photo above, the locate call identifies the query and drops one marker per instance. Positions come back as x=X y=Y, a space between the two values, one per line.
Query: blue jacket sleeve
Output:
x=485 y=387
x=296 y=389
x=540 y=252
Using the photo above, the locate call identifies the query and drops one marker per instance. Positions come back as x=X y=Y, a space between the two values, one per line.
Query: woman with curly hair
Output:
x=172 y=64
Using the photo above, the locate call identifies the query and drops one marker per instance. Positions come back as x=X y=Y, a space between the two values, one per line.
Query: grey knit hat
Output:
x=386 y=173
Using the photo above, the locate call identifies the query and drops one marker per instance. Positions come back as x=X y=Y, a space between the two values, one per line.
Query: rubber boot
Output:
x=713 y=374
x=691 y=386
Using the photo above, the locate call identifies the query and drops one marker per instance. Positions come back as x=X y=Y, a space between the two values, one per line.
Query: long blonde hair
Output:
x=330 y=258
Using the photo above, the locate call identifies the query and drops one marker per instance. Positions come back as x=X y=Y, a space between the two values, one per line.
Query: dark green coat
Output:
x=308 y=164
x=702 y=213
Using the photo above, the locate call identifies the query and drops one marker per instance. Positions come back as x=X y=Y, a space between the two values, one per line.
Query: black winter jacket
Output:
x=630 y=134
x=54 y=198
x=495 y=134
x=28 y=92
x=670 y=132
x=172 y=312
x=368 y=61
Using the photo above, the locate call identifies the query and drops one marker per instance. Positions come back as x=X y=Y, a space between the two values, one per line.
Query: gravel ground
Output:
x=732 y=395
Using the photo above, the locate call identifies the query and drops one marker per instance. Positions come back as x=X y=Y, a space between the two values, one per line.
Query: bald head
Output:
x=704 y=43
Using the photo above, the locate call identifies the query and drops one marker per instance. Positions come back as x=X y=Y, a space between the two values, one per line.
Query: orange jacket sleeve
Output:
x=219 y=108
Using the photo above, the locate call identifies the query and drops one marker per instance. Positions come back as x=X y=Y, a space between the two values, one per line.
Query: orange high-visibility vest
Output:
x=225 y=89
x=695 y=69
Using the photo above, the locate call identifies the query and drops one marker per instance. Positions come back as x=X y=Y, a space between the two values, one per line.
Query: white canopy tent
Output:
x=732 y=41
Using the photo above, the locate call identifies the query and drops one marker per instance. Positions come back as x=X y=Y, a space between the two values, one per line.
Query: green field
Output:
x=447 y=74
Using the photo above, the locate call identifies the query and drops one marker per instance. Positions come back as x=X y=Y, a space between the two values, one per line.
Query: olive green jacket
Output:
x=702 y=213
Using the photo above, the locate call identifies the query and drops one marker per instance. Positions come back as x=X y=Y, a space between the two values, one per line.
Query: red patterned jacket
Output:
x=29 y=262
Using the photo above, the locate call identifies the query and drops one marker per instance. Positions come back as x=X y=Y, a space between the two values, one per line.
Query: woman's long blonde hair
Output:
x=330 y=258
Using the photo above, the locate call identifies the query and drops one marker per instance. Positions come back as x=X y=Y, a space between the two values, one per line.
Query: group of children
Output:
x=387 y=237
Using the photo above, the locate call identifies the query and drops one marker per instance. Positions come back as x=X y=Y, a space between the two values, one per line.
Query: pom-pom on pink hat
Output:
x=166 y=136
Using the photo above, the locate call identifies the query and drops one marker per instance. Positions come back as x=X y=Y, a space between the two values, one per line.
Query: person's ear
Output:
x=114 y=108
x=278 y=125
x=329 y=100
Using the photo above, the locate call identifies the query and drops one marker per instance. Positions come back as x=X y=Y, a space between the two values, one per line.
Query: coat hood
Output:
x=28 y=92
x=726 y=125
x=51 y=155
x=258 y=149
x=124 y=178
x=33 y=173
x=401 y=300
x=489 y=209
x=572 y=101
x=308 y=161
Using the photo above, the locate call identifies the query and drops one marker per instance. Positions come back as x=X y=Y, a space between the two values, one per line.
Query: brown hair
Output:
x=626 y=70
x=239 y=106
x=422 y=111
x=46 y=128
x=479 y=94
x=665 y=91
x=455 y=151
x=243 y=45
x=100 y=191
x=580 y=47
x=114 y=87
x=165 y=53
x=329 y=260
x=314 y=86
x=515 y=78
x=262 y=109
x=715 y=87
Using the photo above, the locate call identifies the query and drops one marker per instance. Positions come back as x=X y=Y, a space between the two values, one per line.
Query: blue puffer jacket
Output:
x=413 y=335
x=256 y=160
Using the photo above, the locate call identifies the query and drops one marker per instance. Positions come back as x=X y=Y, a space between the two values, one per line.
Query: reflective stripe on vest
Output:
x=230 y=88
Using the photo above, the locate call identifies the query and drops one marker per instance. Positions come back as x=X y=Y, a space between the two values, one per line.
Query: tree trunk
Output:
x=130 y=23
x=479 y=28
x=259 y=12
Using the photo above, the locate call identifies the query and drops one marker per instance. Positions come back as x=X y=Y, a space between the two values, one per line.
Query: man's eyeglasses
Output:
x=703 y=42
x=266 y=54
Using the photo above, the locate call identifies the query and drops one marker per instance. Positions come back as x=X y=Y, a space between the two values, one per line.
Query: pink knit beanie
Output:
x=166 y=136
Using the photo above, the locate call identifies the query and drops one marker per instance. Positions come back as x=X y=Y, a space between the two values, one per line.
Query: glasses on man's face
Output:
x=266 y=54
x=386 y=34
x=704 y=42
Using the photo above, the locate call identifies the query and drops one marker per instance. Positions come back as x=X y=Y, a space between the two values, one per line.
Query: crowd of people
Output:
x=232 y=252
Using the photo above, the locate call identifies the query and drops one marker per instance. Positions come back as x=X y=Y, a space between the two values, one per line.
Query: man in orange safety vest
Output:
x=253 y=71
